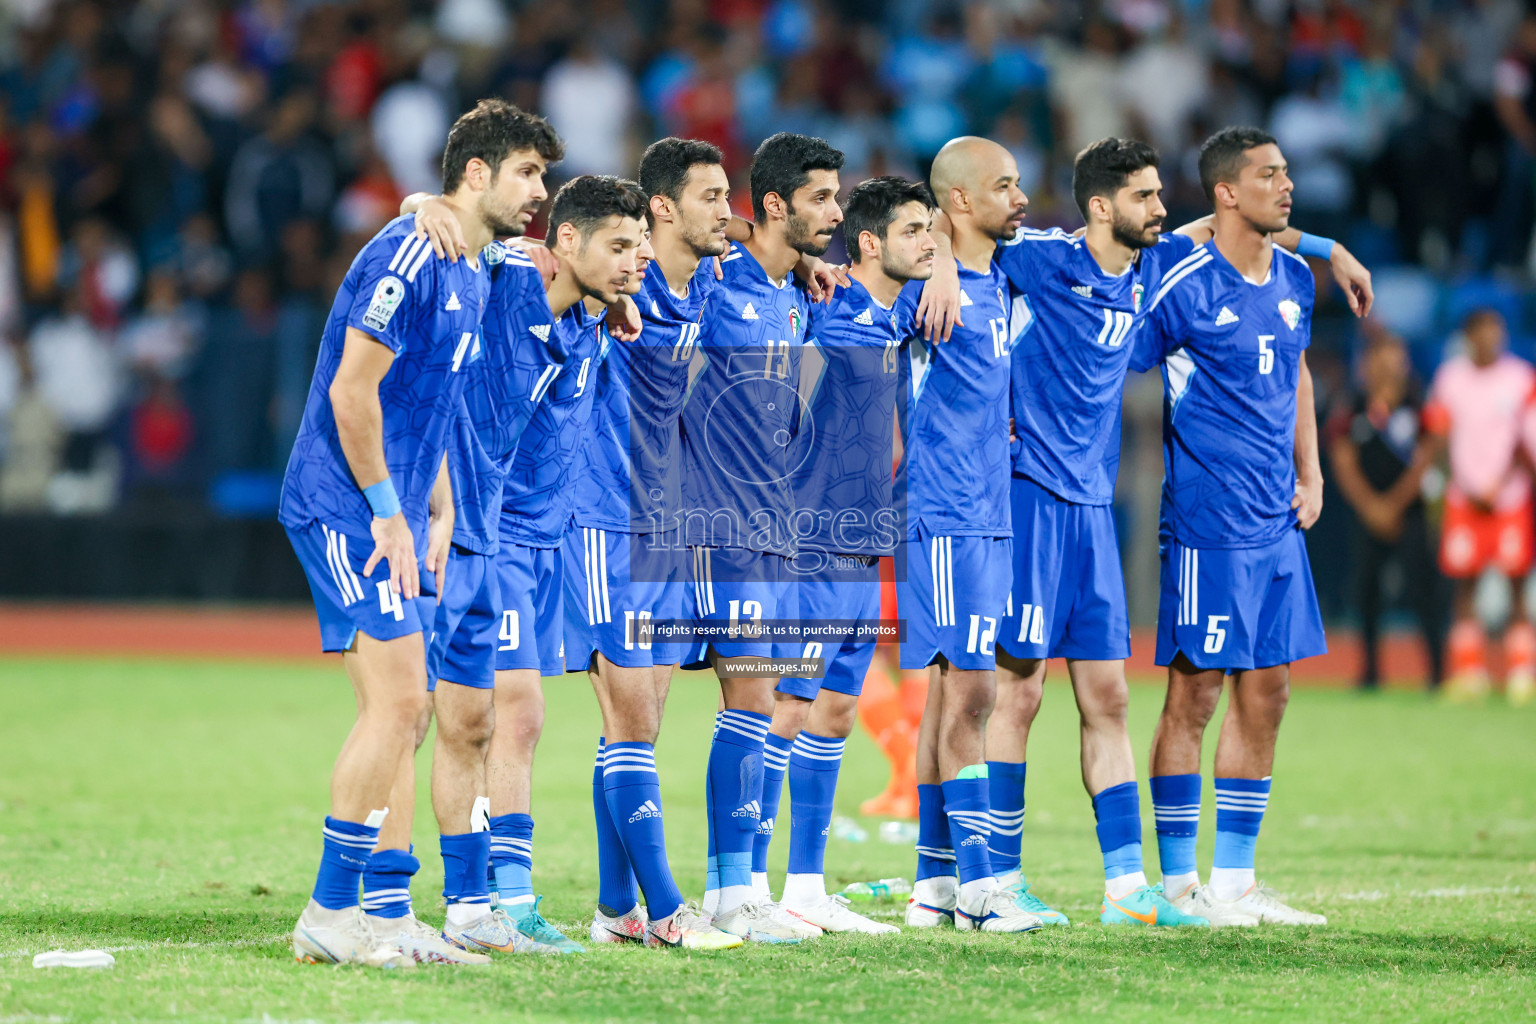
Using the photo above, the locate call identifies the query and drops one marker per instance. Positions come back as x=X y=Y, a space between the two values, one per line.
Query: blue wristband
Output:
x=1315 y=246
x=382 y=498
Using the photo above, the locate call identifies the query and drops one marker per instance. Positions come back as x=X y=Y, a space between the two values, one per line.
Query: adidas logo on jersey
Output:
x=965 y=300
x=1226 y=316
x=453 y=303
x=751 y=809
x=541 y=331
x=749 y=313
x=1086 y=291
x=645 y=810
x=867 y=318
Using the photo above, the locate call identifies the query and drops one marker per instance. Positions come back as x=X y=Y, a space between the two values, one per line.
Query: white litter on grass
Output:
x=74 y=958
x=14 y=954
x=1458 y=893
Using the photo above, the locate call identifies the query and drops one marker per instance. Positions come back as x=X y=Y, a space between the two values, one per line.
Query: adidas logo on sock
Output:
x=867 y=318
x=1086 y=291
x=645 y=810
x=1226 y=316
x=540 y=331
x=751 y=809
x=974 y=839
x=765 y=826
x=749 y=313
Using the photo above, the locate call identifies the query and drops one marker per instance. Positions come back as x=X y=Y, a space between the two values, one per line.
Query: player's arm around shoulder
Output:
x=938 y=310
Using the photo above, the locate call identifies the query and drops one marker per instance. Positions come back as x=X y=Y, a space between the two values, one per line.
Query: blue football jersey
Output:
x=539 y=492
x=953 y=477
x=743 y=409
x=631 y=480
x=844 y=500
x=427 y=311
x=511 y=364
x=1073 y=325
x=1231 y=354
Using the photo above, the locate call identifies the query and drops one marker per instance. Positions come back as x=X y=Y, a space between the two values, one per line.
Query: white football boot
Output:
x=1261 y=902
x=626 y=927
x=421 y=942
x=1198 y=901
x=998 y=911
x=766 y=921
x=831 y=914
x=689 y=928
x=933 y=902
x=343 y=936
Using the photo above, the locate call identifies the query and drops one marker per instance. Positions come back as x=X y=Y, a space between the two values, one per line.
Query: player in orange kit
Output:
x=1481 y=403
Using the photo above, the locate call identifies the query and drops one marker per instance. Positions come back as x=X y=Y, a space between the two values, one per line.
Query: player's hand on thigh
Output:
x=392 y=543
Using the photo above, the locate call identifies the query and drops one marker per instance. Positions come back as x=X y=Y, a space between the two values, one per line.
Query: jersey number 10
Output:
x=1117 y=324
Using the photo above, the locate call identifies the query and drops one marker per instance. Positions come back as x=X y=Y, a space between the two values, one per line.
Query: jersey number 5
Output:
x=1266 y=354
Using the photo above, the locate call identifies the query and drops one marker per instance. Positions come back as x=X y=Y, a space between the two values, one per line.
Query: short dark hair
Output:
x=588 y=201
x=665 y=164
x=491 y=131
x=1221 y=156
x=872 y=206
x=784 y=162
x=1101 y=169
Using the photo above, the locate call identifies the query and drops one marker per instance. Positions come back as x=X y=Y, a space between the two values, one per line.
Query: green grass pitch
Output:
x=169 y=810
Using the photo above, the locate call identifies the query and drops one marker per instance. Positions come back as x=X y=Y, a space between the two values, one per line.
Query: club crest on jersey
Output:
x=1137 y=291
x=493 y=253
x=387 y=296
x=1290 y=312
x=794 y=319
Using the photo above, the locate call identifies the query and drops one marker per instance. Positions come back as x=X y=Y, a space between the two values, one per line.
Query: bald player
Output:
x=953 y=480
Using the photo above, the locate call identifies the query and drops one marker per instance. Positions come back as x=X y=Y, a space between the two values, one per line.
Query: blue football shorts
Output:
x=346 y=601
x=1239 y=608
x=737 y=587
x=834 y=593
x=616 y=580
x=466 y=621
x=1068 y=595
x=532 y=624
x=951 y=593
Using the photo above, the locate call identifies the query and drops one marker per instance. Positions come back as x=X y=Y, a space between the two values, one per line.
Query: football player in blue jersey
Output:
x=367 y=484
x=624 y=562
x=741 y=415
x=953 y=479
x=1229 y=326
x=845 y=520
x=596 y=234
x=1078 y=297
x=464 y=604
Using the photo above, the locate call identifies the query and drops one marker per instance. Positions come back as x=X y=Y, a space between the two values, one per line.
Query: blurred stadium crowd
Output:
x=183 y=182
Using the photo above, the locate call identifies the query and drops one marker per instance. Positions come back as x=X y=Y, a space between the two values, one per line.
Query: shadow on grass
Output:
x=40 y=929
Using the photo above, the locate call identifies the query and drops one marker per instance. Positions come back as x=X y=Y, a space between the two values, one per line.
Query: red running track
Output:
x=288 y=633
